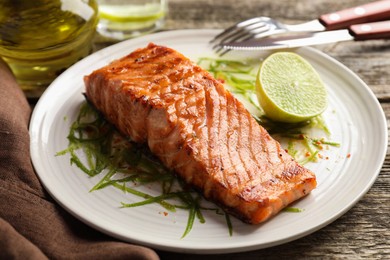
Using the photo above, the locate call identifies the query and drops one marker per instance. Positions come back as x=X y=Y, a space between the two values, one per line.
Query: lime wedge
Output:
x=289 y=89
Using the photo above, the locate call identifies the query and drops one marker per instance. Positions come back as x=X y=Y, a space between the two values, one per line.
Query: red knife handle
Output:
x=368 y=31
x=371 y=12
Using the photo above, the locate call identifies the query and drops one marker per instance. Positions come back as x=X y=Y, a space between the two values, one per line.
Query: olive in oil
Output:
x=39 y=39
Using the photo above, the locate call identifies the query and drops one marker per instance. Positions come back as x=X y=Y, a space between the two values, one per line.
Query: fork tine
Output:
x=242 y=36
x=256 y=34
x=221 y=51
x=248 y=31
x=237 y=34
x=236 y=26
x=224 y=52
x=237 y=38
x=231 y=32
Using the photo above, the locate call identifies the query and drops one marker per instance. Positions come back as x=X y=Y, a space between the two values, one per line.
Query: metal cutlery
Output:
x=261 y=27
x=357 y=32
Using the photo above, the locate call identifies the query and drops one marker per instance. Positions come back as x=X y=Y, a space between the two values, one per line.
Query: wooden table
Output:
x=364 y=231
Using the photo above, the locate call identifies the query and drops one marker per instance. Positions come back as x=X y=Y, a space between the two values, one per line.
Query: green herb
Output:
x=238 y=76
x=98 y=149
x=293 y=210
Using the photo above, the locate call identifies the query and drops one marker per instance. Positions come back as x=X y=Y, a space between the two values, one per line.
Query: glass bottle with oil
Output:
x=40 y=39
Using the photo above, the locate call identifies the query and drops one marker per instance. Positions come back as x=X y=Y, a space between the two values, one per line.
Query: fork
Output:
x=263 y=26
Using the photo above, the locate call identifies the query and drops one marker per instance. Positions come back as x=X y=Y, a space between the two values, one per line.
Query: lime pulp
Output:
x=289 y=89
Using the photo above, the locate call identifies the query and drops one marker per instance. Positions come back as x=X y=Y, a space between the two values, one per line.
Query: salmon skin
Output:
x=196 y=127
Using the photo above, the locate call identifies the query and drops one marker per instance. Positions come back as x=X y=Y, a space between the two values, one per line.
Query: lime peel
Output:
x=289 y=89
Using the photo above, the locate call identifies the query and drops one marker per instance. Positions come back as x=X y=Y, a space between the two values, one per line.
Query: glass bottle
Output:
x=40 y=39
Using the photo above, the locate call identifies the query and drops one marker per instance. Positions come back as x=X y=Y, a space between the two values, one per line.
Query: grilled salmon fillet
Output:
x=196 y=127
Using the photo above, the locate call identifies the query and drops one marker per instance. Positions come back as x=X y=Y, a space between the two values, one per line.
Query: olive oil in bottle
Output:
x=39 y=39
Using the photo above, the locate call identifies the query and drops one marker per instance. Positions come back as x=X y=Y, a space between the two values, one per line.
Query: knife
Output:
x=357 y=32
x=370 y=12
x=256 y=28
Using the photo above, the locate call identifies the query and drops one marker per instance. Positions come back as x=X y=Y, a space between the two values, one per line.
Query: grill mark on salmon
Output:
x=157 y=96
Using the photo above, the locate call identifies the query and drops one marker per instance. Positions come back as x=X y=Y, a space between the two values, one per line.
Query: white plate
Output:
x=354 y=116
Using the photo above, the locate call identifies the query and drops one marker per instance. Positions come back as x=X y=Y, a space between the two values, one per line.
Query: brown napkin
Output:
x=32 y=225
